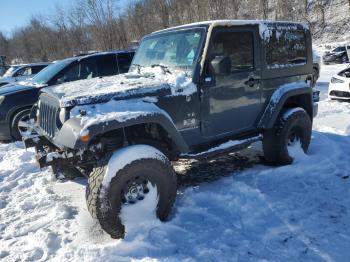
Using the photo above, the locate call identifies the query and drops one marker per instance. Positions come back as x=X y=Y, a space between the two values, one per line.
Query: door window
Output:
x=88 y=68
x=107 y=65
x=68 y=74
x=238 y=46
x=37 y=69
x=124 y=61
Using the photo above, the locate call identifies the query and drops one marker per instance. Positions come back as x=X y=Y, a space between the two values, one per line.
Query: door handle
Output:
x=251 y=82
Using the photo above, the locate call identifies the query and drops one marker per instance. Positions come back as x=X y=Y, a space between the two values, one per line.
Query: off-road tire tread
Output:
x=94 y=200
x=14 y=122
x=273 y=140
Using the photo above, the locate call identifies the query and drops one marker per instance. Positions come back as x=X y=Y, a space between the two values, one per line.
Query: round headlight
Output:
x=62 y=115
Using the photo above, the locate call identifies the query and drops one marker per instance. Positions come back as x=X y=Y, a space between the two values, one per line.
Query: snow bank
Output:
x=130 y=214
x=299 y=212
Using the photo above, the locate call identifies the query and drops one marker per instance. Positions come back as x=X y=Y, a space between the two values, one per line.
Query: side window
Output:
x=71 y=73
x=285 y=48
x=37 y=69
x=88 y=68
x=26 y=71
x=124 y=61
x=238 y=46
x=107 y=65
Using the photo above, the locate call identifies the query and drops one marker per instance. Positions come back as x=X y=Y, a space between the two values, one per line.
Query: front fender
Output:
x=278 y=99
x=94 y=125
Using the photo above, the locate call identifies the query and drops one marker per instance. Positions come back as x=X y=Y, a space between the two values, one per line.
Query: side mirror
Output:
x=221 y=65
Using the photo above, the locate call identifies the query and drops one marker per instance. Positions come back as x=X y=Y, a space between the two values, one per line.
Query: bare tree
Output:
x=100 y=25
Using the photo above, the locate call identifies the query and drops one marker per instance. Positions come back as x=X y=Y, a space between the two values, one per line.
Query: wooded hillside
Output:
x=103 y=25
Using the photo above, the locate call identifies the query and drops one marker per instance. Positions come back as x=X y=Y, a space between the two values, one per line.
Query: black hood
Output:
x=14 y=88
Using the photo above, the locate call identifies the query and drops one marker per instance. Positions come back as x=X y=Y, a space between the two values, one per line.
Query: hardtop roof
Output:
x=233 y=23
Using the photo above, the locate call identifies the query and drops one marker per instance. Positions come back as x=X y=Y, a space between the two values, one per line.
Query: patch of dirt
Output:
x=192 y=172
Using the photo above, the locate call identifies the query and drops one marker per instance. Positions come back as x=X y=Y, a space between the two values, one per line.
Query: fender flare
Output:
x=68 y=136
x=278 y=99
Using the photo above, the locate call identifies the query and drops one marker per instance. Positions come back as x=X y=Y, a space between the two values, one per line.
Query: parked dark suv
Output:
x=192 y=91
x=17 y=99
x=337 y=55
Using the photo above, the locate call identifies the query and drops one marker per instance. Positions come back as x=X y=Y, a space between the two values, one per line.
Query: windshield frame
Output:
x=197 y=57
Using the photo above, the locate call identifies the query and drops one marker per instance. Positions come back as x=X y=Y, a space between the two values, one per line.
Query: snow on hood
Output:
x=147 y=81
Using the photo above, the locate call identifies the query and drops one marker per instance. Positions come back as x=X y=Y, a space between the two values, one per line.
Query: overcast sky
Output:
x=16 y=13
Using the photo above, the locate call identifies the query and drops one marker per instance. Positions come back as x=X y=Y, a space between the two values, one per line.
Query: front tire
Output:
x=292 y=125
x=19 y=124
x=111 y=184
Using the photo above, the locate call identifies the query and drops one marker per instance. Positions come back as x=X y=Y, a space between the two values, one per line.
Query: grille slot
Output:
x=340 y=94
x=47 y=117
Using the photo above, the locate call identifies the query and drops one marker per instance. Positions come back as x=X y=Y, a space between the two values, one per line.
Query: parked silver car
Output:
x=21 y=72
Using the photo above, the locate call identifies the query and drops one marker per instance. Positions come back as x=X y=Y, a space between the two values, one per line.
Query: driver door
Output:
x=231 y=102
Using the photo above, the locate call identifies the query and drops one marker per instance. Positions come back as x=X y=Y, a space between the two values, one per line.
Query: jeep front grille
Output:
x=48 y=116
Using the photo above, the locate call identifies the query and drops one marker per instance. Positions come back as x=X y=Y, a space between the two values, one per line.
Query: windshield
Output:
x=339 y=49
x=174 y=50
x=10 y=71
x=45 y=75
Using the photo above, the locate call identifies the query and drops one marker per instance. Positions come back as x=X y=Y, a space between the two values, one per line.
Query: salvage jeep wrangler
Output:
x=192 y=91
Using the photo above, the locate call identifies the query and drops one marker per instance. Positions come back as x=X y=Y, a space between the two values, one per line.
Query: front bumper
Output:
x=5 y=132
x=339 y=90
x=48 y=154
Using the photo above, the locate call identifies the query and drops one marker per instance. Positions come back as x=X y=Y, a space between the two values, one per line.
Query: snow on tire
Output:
x=122 y=178
x=293 y=125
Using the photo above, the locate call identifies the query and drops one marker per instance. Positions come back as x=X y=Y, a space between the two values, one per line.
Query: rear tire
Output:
x=105 y=203
x=292 y=124
x=21 y=116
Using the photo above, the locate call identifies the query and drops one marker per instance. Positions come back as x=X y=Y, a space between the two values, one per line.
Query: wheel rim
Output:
x=293 y=138
x=135 y=190
x=23 y=124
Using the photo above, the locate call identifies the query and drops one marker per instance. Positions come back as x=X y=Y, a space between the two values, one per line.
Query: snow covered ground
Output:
x=251 y=213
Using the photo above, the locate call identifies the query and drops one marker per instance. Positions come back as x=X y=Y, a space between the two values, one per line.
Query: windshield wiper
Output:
x=163 y=67
x=138 y=67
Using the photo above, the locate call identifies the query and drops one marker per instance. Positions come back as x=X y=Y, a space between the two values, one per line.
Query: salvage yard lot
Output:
x=248 y=211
